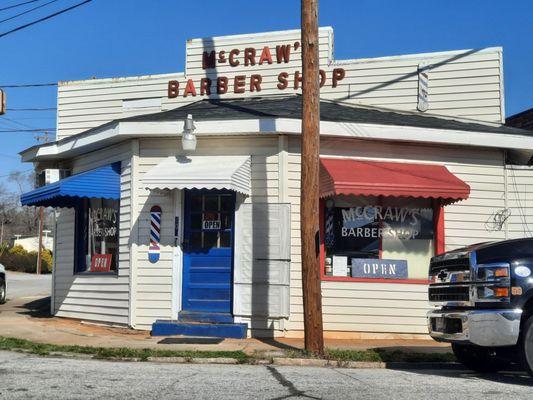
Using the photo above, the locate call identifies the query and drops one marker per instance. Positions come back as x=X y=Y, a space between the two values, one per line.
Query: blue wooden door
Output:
x=208 y=251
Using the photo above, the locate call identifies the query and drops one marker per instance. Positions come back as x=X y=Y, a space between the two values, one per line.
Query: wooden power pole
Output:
x=41 y=226
x=309 y=192
x=45 y=139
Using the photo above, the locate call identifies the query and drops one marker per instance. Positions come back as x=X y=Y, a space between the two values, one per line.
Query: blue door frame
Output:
x=208 y=251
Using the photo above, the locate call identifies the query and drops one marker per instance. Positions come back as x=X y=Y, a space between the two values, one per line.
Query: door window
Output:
x=211 y=220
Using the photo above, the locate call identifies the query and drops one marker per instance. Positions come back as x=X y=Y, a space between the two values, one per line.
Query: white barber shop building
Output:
x=179 y=207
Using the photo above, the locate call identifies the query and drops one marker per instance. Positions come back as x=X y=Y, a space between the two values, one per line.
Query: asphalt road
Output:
x=21 y=285
x=31 y=377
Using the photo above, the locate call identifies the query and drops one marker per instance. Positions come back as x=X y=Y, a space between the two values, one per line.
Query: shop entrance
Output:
x=208 y=251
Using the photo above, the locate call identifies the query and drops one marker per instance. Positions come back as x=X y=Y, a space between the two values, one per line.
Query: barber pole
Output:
x=423 y=85
x=155 y=234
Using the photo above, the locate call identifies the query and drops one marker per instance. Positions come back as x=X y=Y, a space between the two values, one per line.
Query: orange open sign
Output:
x=101 y=262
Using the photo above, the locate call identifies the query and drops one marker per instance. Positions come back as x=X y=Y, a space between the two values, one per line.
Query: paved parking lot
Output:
x=21 y=285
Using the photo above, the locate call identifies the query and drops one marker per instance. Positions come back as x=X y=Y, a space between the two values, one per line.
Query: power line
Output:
x=22 y=172
x=27 y=11
x=32 y=109
x=18 y=5
x=8 y=156
x=17 y=123
x=28 y=85
x=44 y=18
x=27 y=130
x=49 y=117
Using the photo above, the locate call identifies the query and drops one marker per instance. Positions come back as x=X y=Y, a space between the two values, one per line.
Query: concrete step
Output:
x=199 y=329
x=209 y=317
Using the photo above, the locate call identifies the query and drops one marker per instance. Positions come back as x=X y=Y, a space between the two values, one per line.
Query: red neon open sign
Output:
x=101 y=263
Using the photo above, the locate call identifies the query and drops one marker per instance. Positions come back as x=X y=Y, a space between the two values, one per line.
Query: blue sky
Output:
x=132 y=37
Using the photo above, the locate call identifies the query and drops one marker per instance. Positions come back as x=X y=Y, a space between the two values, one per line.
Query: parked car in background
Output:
x=485 y=295
x=3 y=284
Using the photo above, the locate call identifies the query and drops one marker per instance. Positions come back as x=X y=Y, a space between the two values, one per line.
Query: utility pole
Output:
x=41 y=226
x=45 y=139
x=309 y=192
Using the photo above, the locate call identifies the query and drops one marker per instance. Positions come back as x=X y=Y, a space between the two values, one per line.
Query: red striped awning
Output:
x=396 y=179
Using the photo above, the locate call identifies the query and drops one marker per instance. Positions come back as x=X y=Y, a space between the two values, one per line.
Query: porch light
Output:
x=188 y=139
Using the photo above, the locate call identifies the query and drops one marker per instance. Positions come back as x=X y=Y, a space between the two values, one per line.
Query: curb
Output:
x=310 y=362
x=194 y=360
x=278 y=361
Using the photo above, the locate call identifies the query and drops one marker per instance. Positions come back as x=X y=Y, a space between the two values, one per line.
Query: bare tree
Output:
x=14 y=218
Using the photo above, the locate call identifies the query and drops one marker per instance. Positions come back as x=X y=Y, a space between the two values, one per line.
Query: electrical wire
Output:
x=8 y=156
x=18 y=5
x=27 y=11
x=27 y=130
x=16 y=122
x=44 y=18
x=22 y=172
x=32 y=109
x=27 y=85
x=521 y=208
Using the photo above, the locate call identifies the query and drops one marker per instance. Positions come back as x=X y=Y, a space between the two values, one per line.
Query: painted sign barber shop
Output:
x=243 y=61
x=364 y=226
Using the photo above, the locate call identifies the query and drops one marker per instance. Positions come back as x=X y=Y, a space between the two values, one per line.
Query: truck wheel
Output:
x=527 y=345
x=2 y=290
x=476 y=358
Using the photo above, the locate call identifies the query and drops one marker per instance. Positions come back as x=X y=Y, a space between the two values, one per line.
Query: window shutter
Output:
x=262 y=261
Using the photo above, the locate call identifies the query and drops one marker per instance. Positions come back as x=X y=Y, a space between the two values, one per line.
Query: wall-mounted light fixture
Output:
x=188 y=140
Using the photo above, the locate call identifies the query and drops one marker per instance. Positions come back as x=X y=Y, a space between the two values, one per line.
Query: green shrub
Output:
x=18 y=259
x=18 y=249
x=47 y=261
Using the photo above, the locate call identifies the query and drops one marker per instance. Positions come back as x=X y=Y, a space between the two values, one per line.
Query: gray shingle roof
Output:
x=291 y=107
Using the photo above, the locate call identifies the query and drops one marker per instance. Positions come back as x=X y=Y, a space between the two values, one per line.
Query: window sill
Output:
x=372 y=280
x=110 y=274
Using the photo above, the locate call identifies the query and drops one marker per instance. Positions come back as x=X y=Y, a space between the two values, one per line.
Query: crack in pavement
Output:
x=293 y=391
x=352 y=377
x=170 y=388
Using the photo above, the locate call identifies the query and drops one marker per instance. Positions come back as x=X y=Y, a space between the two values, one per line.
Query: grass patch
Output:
x=7 y=343
x=375 y=355
x=117 y=353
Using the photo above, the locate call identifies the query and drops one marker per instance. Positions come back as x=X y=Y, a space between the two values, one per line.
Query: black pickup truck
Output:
x=483 y=296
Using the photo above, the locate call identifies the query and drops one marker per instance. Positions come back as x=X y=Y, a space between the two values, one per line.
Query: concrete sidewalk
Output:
x=27 y=318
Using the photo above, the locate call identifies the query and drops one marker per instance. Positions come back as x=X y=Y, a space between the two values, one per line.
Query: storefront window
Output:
x=388 y=238
x=97 y=235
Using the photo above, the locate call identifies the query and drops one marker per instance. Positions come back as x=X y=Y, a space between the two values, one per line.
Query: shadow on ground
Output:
x=515 y=376
x=190 y=340
x=39 y=308
x=278 y=345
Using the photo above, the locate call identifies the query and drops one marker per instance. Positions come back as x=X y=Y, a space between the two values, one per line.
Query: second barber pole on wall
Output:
x=155 y=234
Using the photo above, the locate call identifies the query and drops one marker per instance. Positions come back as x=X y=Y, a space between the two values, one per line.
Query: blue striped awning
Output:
x=103 y=182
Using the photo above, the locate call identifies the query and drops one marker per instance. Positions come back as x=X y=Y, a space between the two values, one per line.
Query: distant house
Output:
x=522 y=120
x=31 y=243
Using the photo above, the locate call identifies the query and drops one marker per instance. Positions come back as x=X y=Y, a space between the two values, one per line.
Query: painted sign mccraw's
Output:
x=244 y=61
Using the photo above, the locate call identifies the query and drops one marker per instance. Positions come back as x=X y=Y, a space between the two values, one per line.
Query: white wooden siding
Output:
x=391 y=307
x=98 y=297
x=465 y=83
x=520 y=201
x=153 y=287
x=347 y=306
